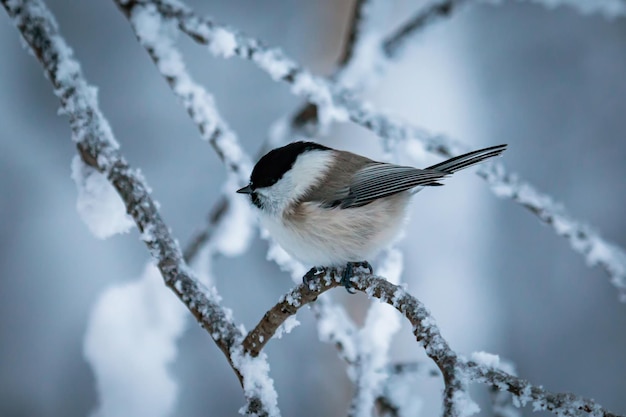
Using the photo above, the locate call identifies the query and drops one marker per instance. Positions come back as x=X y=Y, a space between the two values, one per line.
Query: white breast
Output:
x=331 y=237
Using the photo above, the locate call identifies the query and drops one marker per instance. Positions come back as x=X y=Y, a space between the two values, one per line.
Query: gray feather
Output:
x=355 y=181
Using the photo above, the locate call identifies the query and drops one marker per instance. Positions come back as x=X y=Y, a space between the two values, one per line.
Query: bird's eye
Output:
x=256 y=199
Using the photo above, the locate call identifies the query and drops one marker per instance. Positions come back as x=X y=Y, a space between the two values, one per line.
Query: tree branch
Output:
x=354 y=31
x=304 y=122
x=396 y=43
x=152 y=33
x=159 y=45
x=456 y=370
x=98 y=148
x=336 y=103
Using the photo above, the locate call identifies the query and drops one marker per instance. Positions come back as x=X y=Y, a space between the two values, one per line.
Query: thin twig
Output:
x=152 y=33
x=160 y=45
x=396 y=42
x=354 y=28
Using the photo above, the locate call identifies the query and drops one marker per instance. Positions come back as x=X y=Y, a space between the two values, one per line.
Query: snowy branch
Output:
x=339 y=104
x=607 y=8
x=305 y=120
x=457 y=371
x=156 y=34
x=99 y=150
x=97 y=147
x=152 y=32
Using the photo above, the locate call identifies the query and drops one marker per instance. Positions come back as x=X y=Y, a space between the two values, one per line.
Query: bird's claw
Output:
x=313 y=273
x=348 y=273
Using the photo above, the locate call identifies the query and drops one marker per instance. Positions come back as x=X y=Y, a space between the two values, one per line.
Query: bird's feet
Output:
x=313 y=273
x=348 y=273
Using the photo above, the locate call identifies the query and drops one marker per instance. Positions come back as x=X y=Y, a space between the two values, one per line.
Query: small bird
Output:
x=333 y=208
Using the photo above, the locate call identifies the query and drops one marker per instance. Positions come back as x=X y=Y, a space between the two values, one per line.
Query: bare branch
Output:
x=395 y=43
x=354 y=31
x=97 y=147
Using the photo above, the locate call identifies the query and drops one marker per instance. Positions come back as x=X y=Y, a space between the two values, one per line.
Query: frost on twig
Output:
x=582 y=238
x=339 y=104
x=363 y=40
x=607 y=8
x=334 y=325
x=157 y=35
x=456 y=370
x=99 y=150
x=151 y=30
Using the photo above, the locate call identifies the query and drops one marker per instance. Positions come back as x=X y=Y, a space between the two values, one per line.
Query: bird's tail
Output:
x=460 y=162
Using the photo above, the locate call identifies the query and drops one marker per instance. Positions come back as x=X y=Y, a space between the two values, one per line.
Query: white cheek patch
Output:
x=307 y=171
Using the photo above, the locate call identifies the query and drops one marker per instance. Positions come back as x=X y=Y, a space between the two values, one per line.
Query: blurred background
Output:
x=549 y=82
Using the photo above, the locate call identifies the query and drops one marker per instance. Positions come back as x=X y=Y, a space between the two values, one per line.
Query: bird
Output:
x=332 y=208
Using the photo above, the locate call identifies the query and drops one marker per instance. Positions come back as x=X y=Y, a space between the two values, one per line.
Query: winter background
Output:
x=550 y=82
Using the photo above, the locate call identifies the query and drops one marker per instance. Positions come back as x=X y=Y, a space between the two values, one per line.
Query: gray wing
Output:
x=369 y=180
x=380 y=180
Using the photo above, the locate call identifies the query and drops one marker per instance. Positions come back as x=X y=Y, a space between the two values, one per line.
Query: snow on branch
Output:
x=364 y=33
x=607 y=8
x=596 y=250
x=98 y=149
x=334 y=325
x=151 y=31
x=157 y=35
x=339 y=104
x=456 y=370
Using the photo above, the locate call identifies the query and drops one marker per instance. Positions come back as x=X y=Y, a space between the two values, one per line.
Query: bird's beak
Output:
x=245 y=190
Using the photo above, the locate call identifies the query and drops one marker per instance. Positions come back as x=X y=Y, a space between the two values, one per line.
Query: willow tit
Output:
x=331 y=208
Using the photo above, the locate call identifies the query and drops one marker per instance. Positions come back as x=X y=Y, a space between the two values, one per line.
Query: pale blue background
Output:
x=548 y=82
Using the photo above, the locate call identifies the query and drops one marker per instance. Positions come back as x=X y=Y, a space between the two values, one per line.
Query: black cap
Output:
x=273 y=165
